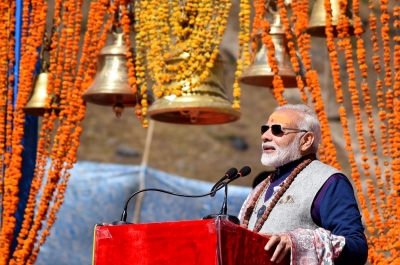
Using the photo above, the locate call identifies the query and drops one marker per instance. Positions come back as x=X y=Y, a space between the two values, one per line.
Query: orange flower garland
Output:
x=11 y=82
x=327 y=151
x=243 y=55
x=395 y=195
x=389 y=209
x=74 y=29
x=4 y=35
x=61 y=144
x=291 y=47
x=41 y=161
x=396 y=38
x=386 y=38
x=13 y=173
x=65 y=142
x=354 y=172
x=263 y=23
x=300 y=19
x=389 y=149
x=347 y=47
x=333 y=56
x=364 y=86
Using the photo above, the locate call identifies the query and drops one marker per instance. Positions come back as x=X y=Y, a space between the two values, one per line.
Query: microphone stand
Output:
x=219 y=185
x=124 y=212
x=222 y=214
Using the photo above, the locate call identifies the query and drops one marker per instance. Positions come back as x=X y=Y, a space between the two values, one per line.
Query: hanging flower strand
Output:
x=74 y=29
x=327 y=151
x=56 y=167
x=44 y=143
x=277 y=83
x=4 y=56
x=13 y=172
x=243 y=55
x=300 y=20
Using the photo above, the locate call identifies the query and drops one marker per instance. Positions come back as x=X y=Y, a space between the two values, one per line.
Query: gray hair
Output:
x=309 y=121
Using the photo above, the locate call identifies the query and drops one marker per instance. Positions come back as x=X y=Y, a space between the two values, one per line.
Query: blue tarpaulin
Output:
x=97 y=194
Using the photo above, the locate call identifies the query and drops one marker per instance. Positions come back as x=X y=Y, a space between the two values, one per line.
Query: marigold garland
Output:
x=63 y=140
x=11 y=82
x=13 y=172
x=72 y=112
x=300 y=20
x=291 y=46
x=327 y=151
x=345 y=45
x=266 y=39
x=244 y=54
x=44 y=143
x=4 y=56
x=385 y=17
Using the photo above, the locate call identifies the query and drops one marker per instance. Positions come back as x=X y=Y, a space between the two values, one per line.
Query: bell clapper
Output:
x=118 y=108
x=193 y=116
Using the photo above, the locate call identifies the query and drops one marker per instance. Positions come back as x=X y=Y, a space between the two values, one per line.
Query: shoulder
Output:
x=325 y=167
x=337 y=187
x=338 y=179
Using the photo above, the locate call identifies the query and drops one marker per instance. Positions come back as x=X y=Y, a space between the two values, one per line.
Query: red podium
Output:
x=202 y=242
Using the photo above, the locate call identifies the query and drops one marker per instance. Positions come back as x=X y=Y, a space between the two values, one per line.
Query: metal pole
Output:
x=143 y=167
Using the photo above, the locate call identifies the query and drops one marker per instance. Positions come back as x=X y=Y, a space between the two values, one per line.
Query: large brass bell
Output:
x=110 y=86
x=205 y=104
x=260 y=73
x=36 y=104
x=317 y=23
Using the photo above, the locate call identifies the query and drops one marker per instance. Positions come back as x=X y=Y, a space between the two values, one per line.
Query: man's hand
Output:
x=282 y=243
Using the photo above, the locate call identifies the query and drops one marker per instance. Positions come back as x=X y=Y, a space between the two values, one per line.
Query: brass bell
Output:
x=36 y=104
x=317 y=23
x=259 y=73
x=110 y=86
x=205 y=104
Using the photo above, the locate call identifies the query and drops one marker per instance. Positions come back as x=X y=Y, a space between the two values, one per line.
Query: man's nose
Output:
x=266 y=137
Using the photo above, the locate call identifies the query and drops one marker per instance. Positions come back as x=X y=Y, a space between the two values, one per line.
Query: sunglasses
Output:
x=278 y=130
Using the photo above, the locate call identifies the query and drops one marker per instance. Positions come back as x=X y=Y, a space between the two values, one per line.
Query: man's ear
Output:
x=306 y=142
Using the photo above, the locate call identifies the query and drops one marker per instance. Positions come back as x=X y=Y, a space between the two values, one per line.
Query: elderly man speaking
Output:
x=307 y=208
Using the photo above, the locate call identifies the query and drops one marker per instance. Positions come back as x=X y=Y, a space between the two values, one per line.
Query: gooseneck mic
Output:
x=242 y=173
x=223 y=213
x=230 y=174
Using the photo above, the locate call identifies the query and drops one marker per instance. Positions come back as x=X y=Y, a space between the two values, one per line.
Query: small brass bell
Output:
x=37 y=101
x=260 y=73
x=201 y=105
x=317 y=24
x=110 y=86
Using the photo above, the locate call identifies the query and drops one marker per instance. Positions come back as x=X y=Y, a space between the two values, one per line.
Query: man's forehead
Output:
x=279 y=117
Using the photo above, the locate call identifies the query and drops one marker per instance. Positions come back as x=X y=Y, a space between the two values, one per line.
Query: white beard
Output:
x=281 y=156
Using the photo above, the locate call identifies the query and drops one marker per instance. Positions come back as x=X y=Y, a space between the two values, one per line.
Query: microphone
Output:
x=243 y=172
x=228 y=175
x=223 y=213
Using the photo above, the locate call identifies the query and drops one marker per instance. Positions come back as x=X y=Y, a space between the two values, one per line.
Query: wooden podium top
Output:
x=202 y=242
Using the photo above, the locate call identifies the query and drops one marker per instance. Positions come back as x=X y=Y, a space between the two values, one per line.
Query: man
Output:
x=306 y=207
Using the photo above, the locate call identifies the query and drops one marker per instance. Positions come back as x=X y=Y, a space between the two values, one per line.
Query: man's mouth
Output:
x=268 y=148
